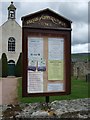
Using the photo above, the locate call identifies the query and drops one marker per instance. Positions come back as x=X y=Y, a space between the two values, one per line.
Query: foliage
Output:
x=4 y=65
x=18 y=67
x=79 y=89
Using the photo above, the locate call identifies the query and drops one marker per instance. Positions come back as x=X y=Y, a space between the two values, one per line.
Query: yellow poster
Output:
x=55 y=70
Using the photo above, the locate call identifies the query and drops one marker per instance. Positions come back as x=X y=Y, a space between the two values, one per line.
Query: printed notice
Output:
x=55 y=58
x=32 y=65
x=35 y=48
x=35 y=82
x=42 y=65
x=55 y=70
x=52 y=87
x=55 y=48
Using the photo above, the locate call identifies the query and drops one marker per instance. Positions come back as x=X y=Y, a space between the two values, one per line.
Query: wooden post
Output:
x=47 y=99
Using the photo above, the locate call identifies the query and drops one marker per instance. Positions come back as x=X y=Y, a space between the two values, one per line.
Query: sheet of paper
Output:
x=55 y=87
x=42 y=65
x=55 y=58
x=35 y=48
x=55 y=70
x=35 y=82
x=32 y=64
x=55 y=48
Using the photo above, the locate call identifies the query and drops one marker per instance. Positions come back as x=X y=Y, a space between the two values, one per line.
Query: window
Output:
x=11 y=44
x=12 y=14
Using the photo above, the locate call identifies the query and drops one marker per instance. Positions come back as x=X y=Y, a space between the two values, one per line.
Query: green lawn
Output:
x=79 y=89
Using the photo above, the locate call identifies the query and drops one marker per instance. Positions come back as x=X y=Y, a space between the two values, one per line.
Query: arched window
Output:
x=12 y=14
x=11 y=44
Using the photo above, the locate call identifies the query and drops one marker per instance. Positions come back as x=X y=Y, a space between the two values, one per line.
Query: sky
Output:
x=75 y=10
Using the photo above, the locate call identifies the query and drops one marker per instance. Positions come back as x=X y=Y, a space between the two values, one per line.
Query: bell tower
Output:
x=11 y=11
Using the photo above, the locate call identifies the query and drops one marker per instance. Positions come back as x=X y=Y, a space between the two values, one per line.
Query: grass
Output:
x=81 y=56
x=79 y=89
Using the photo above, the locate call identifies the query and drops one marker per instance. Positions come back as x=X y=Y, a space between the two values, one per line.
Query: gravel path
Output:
x=8 y=90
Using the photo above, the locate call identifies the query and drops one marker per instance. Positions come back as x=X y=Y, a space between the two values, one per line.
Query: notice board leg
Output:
x=47 y=99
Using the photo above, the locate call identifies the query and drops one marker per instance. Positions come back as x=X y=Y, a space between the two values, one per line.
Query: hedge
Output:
x=18 y=67
x=4 y=65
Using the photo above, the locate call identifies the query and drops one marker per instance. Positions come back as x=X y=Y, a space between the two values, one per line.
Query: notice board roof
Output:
x=46 y=18
x=44 y=11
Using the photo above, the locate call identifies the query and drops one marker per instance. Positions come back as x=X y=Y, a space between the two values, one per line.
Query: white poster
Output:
x=42 y=65
x=55 y=87
x=55 y=48
x=32 y=64
x=35 y=82
x=35 y=48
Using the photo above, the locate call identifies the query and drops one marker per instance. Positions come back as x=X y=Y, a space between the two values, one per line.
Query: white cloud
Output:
x=0 y=13
x=76 y=11
x=80 y=48
x=46 y=0
x=73 y=10
x=79 y=33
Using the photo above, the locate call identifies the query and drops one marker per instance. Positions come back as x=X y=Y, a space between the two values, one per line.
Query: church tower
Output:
x=11 y=39
x=11 y=11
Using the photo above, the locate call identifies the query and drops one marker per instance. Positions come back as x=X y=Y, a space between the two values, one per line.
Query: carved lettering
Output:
x=46 y=17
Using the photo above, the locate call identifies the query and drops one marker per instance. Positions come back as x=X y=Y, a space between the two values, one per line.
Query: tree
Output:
x=4 y=65
x=18 y=67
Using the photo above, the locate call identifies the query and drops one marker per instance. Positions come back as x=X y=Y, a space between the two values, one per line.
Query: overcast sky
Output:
x=76 y=11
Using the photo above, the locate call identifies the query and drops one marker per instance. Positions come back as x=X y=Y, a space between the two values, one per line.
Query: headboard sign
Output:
x=46 y=54
x=46 y=20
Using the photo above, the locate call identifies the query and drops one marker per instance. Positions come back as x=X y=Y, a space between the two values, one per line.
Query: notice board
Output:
x=46 y=54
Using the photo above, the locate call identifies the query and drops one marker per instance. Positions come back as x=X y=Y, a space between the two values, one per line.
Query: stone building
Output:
x=11 y=39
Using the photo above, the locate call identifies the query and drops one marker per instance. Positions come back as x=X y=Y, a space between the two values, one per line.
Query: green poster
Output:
x=55 y=69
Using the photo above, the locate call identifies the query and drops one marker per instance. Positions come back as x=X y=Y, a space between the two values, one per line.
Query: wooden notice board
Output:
x=46 y=48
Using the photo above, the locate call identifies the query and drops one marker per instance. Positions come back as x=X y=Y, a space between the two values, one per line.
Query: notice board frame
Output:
x=33 y=32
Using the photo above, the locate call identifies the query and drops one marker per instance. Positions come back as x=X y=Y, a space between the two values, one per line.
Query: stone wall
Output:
x=55 y=110
x=80 y=68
